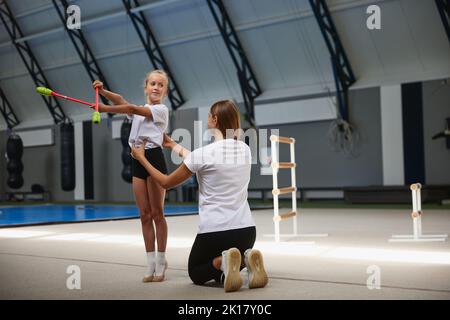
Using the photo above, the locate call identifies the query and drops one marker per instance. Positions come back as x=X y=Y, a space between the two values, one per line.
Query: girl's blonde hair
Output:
x=160 y=72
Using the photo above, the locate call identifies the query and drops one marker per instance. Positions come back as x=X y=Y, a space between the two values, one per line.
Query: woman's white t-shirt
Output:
x=223 y=174
x=145 y=128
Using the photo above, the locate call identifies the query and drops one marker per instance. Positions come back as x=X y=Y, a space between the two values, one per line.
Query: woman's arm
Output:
x=181 y=174
x=168 y=142
x=126 y=109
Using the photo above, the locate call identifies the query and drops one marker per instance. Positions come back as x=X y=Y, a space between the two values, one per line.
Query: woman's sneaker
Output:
x=257 y=276
x=231 y=263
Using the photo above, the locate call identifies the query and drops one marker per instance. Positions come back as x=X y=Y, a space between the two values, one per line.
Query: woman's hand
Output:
x=168 y=142
x=98 y=84
x=138 y=152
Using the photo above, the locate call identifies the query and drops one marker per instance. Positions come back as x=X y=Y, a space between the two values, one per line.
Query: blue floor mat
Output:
x=43 y=214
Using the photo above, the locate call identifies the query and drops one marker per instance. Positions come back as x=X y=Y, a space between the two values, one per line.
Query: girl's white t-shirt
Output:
x=223 y=174
x=152 y=130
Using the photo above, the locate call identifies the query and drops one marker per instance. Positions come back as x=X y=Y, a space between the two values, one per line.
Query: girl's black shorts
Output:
x=156 y=157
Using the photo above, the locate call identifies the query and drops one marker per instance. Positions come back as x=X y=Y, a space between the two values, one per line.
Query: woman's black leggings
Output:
x=207 y=246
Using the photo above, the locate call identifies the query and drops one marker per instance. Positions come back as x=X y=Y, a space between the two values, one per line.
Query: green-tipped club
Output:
x=96 y=117
x=44 y=91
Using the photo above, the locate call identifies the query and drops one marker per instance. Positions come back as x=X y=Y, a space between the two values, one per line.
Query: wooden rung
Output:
x=415 y=186
x=416 y=214
x=282 y=139
x=283 y=165
x=276 y=192
x=285 y=216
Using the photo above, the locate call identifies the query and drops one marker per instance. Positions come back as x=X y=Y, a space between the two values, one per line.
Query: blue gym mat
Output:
x=45 y=214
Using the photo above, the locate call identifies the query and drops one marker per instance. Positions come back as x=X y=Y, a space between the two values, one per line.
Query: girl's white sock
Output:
x=151 y=260
x=161 y=257
x=161 y=263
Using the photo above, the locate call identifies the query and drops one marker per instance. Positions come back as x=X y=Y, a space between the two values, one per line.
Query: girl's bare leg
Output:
x=156 y=195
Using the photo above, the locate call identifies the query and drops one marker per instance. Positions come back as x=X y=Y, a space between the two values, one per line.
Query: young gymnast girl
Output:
x=149 y=124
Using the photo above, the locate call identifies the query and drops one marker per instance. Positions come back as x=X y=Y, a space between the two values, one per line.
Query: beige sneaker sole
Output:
x=233 y=280
x=258 y=275
x=147 y=279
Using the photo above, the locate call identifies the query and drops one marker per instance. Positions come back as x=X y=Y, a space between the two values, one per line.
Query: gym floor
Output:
x=35 y=260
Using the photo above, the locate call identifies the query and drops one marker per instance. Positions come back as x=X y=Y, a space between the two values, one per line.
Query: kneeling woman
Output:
x=226 y=230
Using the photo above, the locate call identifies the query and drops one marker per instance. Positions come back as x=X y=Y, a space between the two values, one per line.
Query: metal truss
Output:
x=153 y=50
x=444 y=10
x=32 y=65
x=247 y=79
x=7 y=111
x=342 y=70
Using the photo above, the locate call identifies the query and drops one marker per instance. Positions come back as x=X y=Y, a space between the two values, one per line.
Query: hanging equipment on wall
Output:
x=14 y=151
x=126 y=151
x=67 y=156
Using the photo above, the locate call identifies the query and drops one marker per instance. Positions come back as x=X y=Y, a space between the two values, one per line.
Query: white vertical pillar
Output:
x=419 y=210
x=79 y=162
x=415 y=212
x=275 y=186
x=392 y=135
x=414 y=199
x=294 y=184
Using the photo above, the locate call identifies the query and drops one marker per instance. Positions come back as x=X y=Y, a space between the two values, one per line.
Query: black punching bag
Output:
x=14 y=151
x=67 y=156
x=126 y=156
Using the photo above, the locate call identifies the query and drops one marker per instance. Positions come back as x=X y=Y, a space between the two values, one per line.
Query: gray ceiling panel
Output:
x=10 y=63
x=396 y=36
x=209 y=67
x=23 y=7
x=34 y=17
x=410 y=46
x=427 y=33
x=260 y=10
x=4 y=37
x=27 y=104
x=281 y=39
x=177 y=20
x=97 y=8
x=111 y=35
x=55 y=49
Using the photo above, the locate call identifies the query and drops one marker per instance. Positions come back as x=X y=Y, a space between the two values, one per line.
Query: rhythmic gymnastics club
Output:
x=96 y=115
x=48 y=92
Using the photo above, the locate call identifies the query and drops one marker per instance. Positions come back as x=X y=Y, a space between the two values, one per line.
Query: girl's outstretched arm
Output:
x=181 y=174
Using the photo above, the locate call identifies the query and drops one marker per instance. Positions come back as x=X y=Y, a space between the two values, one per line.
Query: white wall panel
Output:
x=392 y=135
x=34 y=138
x=79 y=161
x=295 y=111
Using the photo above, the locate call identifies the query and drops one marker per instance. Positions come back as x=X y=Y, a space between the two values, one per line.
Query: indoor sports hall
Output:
x=224 y=150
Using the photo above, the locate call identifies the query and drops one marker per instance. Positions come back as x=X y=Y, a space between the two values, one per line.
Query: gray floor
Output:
x=111 y=258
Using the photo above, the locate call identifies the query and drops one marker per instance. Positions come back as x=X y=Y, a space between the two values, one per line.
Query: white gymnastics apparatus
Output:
x=276 y=191
x=417 y=221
